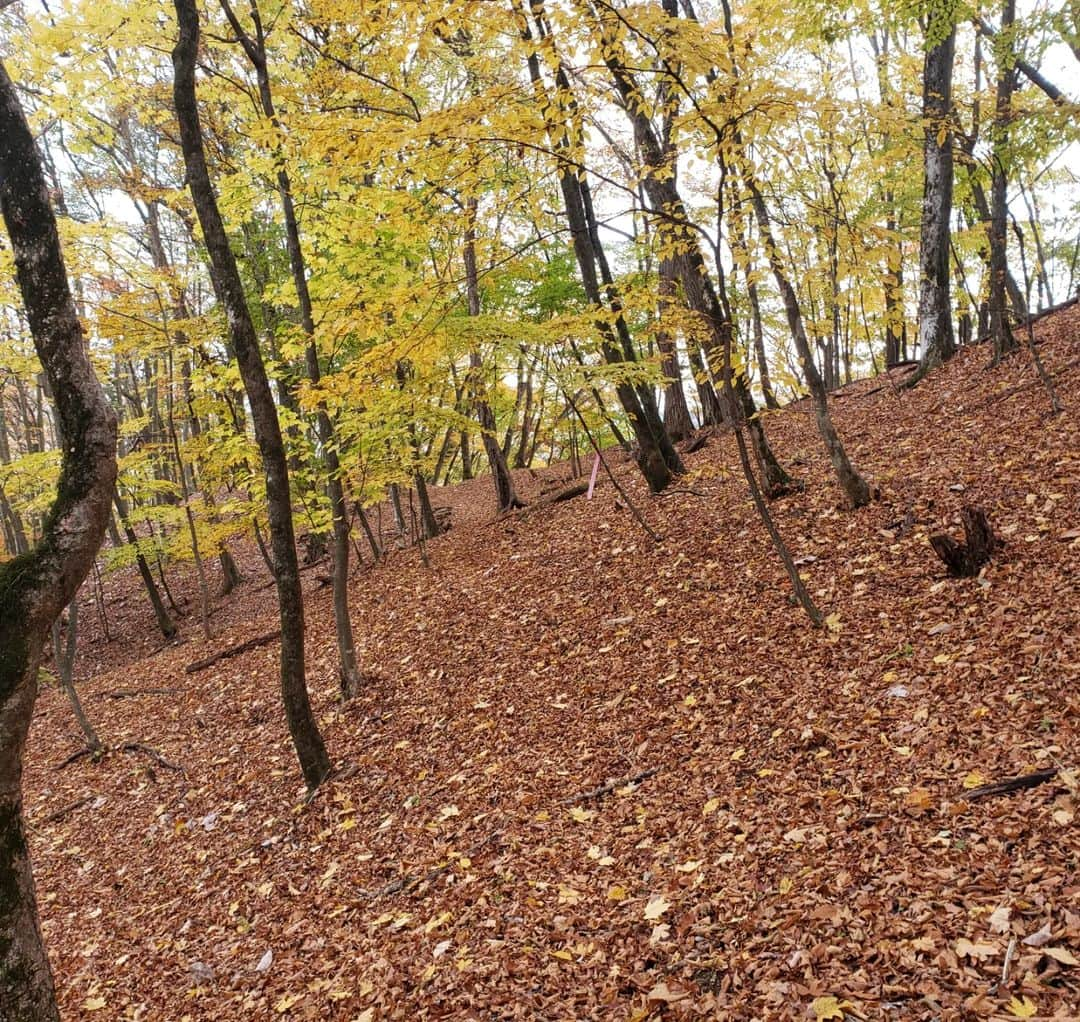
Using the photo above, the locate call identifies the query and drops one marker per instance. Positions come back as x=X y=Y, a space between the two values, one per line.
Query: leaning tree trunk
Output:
x=307 y=740
x=936 y=341
x=35 y=586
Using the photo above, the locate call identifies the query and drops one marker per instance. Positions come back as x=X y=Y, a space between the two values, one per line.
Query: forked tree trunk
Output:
x=35 y=586
x=307 y=740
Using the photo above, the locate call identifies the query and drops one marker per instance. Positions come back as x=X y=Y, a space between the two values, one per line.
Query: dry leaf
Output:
x=656 y=907
x=1021 y=1007
x=1062 y=955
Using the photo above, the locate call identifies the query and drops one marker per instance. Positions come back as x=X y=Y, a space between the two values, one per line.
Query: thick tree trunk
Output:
x=677 y=420
x=35 y=586
x=936 y=341
x=310 y=749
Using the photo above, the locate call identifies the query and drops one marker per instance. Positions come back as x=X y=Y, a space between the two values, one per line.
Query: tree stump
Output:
x=964 y=560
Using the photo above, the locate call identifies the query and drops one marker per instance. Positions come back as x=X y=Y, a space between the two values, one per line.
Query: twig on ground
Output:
x=610 y=786
x=1012 y=784
x=148 y=750
x=64 y=811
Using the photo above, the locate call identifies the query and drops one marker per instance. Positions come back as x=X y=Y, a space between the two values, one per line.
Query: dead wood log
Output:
x=1012 y=784
x=576 y=490
x=964 y=560
x=225 y=654
x=697 y=442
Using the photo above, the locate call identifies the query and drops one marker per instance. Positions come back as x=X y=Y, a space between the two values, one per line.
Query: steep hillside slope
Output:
x=598 y=778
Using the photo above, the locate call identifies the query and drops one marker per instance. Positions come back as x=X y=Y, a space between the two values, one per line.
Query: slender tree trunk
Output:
x=936 y=341
x=164 y=622
x=505 y=493
x=310 y=749
x=854 y=486
x=36 y=586
x=1001 y=336
x=348 y=669
x=64 y=655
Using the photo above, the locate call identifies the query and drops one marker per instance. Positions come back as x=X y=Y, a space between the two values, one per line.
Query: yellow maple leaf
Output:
x=1022 y=1007
x=94 y=1004
x=710 y=807
x=828 y=1007
x=582 y=815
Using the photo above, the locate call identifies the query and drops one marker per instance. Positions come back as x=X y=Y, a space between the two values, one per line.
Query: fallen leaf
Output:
x=1061 y=954
x=974 y=950
x=656 y=907
x=1040 y=937
x=1021 y=1007
x=999 y=919
x=828 y=1007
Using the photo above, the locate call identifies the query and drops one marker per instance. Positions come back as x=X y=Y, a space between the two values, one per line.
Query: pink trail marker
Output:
x=592 y=478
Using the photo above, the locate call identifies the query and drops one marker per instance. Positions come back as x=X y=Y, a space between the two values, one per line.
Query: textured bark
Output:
x=1001 y=336
x=677 y=419
x=307 y=740
x=35 y=586
x=936 y=341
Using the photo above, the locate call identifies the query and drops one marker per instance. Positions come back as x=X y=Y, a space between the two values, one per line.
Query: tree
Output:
x=314 y=762
x=35 y=586
x=936 y=341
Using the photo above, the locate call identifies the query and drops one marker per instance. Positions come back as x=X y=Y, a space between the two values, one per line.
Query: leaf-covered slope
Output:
x=797 y=842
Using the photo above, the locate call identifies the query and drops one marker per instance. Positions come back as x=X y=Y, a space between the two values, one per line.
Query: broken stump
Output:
x=965 y=560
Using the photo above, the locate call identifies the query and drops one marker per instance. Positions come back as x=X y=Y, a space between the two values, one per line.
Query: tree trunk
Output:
x=936 y=341
x=505 y=494
x=1001 y=337
x=677 y=419
x=35 y=586
x=310 y=749
x=656 y=455
x=348 y=668
x=164 y=622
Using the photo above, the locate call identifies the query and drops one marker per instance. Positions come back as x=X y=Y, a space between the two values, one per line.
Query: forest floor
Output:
x=594 y=777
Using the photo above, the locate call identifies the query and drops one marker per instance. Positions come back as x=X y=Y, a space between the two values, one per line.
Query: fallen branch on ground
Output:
x=610 y=786
x=557 y=497
x=1012 y=784
x=64 y=811
x=225 y=654
x=131 y=693
x=156 y=756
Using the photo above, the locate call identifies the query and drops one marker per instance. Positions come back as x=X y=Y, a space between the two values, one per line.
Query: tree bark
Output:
x=307 y=740
x=936 y=341
x=35 y=586
x=1001 y=336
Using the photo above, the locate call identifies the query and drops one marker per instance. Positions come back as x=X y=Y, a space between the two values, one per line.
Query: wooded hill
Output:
x=597 y=776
